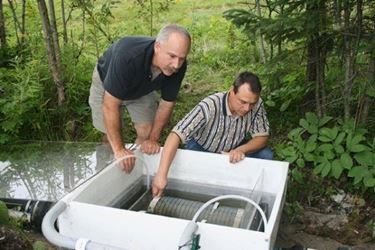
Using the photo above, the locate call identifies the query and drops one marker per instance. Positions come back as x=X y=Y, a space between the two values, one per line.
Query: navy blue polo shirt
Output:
x=125 y=69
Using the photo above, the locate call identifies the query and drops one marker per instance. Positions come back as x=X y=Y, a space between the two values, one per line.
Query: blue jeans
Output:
x=264 y=153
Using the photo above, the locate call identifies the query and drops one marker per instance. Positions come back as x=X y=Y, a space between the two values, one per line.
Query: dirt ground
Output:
x=329 y=227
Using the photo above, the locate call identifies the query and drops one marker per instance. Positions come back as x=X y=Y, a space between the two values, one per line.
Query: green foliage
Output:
x=292 y=209
x=217 y=55
x=76 y=111
x=39 y=245
x=99 y=16
x=282 y=75
x=151 y=10
x=22 y=97
x=283 y=92
x=290 y=23
x=371 y=225
x=4 y=214
x=332 y=151
x=289 y=31
x=29 y=109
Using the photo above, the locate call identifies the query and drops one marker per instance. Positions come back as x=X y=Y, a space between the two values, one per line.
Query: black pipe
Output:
x=34 y=209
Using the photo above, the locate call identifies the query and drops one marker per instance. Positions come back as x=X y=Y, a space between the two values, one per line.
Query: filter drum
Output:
x=186 y=209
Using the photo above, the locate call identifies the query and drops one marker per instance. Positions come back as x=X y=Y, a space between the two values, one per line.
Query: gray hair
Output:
x=169 y=29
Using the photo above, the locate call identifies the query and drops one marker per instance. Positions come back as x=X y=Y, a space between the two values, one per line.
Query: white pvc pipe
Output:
x=49 y=230
x=58 y=239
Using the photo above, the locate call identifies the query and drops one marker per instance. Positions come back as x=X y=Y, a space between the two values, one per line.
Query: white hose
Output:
x=235 y=197
x=192 y=226
x=60 y=240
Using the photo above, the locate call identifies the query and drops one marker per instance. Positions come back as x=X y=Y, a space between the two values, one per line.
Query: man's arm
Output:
x=253 y=145
x=162 y=116
x=111 y=114
x=169 y=151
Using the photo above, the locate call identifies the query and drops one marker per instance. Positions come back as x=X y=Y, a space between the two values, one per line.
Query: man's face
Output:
x=243 y=101
x=170 y=55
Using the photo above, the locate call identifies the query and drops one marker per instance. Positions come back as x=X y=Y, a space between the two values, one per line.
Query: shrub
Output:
x=332 y=151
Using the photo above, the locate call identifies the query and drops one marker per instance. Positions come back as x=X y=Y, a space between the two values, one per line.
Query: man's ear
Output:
x=157 y=46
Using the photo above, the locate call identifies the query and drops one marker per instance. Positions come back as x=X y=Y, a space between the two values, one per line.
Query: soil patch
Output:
x=329 y=227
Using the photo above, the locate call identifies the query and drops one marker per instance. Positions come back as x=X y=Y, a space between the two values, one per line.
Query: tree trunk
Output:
x=316 y=56
x=366 y=101
x=81 y=47
x=65 y=32
x=55 y=38
x=53 y=65
x=311 y=72
x=270 y=42
x=17 y=25
x=337 y=13
x=3 y=40
x=279 y=49
x=23 y=21
x=262 y=53
x=318 y=76
x=323 y=39
x=348 y=62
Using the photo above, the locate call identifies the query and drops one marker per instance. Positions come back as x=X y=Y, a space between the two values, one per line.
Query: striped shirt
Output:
x=212 y=125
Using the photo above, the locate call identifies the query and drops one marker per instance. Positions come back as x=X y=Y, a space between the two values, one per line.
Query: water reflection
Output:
x=48 y=170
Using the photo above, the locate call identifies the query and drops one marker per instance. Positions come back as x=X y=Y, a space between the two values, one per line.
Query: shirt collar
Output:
x=226 y=108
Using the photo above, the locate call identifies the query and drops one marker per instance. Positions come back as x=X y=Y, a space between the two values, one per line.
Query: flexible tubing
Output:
x=49 y=230
x=235 y=197
x=192 y=226
x=58 y=239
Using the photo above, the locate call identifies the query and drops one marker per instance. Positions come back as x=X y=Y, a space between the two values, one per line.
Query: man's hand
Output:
x=150 y=147
x=127 y=164
x=158 y=185
x=235 y=155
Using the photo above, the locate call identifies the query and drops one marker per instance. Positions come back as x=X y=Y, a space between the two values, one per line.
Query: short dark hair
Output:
x=251 y=79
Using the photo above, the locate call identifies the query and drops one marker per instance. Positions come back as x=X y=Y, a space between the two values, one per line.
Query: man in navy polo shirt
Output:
x=126 y=76
x=220 y=123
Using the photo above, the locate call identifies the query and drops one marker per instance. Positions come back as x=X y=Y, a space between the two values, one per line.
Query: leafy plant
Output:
x=4 y=214
x=331 y=151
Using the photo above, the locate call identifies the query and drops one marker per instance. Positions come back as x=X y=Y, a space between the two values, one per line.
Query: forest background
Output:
x=315 y=59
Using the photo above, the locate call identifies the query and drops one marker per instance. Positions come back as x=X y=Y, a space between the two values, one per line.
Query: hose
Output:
x=234 y=197
x=192 y=226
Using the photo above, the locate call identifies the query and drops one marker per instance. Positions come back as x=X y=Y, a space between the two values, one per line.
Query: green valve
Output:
x=195 y=242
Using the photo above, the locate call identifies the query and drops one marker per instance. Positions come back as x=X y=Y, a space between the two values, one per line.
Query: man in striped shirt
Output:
x=220 y=124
